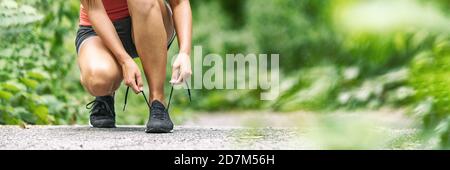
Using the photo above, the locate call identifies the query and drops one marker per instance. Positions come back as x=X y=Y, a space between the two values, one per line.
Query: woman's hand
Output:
x=182 y=17
x=181 y=69
x=132 y=75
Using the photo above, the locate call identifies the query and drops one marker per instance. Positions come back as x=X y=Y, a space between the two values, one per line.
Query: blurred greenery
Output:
x=334 y=54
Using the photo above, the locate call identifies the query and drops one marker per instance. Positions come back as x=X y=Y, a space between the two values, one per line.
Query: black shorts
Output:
x=123 y=28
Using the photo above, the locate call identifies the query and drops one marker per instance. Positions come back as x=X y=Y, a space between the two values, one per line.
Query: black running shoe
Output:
x=159 y=120
x=102 y=112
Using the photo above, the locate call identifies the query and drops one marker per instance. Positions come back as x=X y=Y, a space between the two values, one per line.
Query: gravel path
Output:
x=204 y=131
x=133 y=137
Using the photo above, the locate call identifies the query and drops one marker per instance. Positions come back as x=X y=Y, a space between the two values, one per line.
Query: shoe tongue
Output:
x=157 y=104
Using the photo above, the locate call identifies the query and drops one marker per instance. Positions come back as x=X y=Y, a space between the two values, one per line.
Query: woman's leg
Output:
x=100 y=73
x=151 y=38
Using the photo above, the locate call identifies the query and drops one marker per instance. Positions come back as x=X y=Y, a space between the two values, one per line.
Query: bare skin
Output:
x=104 y=63
x=151 y=45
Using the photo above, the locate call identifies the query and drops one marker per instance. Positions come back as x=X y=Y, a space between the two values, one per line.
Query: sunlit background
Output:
x=345 y=65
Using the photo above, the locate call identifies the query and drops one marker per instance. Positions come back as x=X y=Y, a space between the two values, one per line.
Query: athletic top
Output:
x=116 y=9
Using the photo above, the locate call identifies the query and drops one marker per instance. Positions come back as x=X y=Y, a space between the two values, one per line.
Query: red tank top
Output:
x=116 y=9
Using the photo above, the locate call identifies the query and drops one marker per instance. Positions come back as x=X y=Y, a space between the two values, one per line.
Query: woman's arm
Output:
x=183 y=23
x=106 y=31
x=104 y=28
x=182 y=16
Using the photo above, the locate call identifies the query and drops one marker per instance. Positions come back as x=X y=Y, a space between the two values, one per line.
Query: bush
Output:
x=35 y=63
x=430 y=71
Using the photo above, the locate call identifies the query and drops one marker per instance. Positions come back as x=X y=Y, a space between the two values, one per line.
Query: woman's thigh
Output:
x=100 y=72
x=167 y=15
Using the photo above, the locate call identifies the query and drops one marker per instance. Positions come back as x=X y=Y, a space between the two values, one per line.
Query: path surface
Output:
x=207 y=131
x=133 y=137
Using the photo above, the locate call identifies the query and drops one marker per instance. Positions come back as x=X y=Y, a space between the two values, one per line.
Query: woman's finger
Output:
x=179 y=80
x=133 y=84
x=175 y=74
x=140 y=84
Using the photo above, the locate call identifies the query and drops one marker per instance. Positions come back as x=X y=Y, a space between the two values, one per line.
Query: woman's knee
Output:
x=143 y=7
x=100 y=81
x=100 y=73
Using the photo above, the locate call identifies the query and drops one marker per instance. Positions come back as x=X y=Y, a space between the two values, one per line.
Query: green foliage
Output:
x=33 y=62
x=297 y=30
x=431 y=69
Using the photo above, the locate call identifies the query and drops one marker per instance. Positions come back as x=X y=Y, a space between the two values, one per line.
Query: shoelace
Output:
x=171 y=90
x=148 y=104
x=105 y=105
x=159 y=114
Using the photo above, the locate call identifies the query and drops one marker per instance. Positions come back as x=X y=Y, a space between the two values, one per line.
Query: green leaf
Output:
x=54 y=105
x=23 y=114
x=5 y=95
x=42 y=113
x=38 y=75
x=4 y=76
x=30 y=83
x=13 y=87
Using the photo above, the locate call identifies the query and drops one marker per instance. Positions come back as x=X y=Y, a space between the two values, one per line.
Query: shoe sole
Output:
x=102 y=125
x=158 y=130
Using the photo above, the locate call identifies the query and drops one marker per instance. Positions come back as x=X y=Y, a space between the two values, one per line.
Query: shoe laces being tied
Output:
x=158 y=111
x=148 y=104
x=97 y=105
